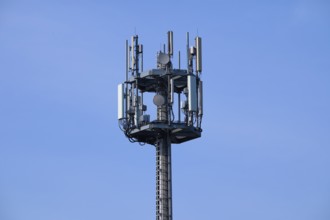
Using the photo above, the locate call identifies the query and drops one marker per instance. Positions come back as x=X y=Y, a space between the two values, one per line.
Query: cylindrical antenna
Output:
x=179 y=110
x=141 y=104
x=126 y=86
x=172 y=91
x=179 y=60
x=136 y=103
x=137 y=62
x=198 y=42
x=133 y=54
x=170 y=43
x=127 y=60
x=141 y=54
x=188 y=52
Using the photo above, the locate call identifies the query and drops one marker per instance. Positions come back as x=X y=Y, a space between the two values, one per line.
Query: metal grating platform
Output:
x=180 y=132
x=148 y=80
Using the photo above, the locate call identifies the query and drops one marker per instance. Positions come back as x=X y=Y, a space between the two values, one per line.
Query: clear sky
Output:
x=265 y=149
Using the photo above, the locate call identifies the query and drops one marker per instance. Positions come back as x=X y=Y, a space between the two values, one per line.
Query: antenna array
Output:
x=170 y=125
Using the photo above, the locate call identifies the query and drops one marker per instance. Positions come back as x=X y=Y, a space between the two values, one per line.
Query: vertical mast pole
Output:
x=163 y=168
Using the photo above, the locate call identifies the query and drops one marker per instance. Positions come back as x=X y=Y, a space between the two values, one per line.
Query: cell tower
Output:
x=170 y=126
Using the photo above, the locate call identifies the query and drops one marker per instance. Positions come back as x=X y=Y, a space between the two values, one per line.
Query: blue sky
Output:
x=265 y=150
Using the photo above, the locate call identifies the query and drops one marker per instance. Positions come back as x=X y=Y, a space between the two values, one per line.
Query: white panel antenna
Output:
x=192 y=95
x=120 y=101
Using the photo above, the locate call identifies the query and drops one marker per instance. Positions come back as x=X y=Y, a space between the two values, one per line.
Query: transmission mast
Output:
x=178 y=97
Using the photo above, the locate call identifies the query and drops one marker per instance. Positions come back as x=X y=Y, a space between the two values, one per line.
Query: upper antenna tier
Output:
x=178 y=94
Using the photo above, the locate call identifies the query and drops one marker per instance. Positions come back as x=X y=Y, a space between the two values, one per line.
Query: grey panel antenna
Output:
x=133 y=53
x=200 y=98
x=172 y=90
x=198 y=42
x=170 y=42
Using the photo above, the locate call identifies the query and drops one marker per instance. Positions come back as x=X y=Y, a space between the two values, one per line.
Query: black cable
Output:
x=173 y=116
